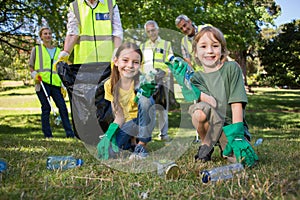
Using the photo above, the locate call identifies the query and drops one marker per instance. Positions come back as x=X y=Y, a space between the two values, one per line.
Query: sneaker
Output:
x=165 y=138
x=140 y=152
x=205 y=158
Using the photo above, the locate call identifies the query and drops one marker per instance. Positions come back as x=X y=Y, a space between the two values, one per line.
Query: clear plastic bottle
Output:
x=57 y=120
x=221 y=173
x=63 y=162
x=258 y=142
x=143 y=79
x=189 y=71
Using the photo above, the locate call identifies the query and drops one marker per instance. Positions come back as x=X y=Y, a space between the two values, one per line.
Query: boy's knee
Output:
x=199 y=115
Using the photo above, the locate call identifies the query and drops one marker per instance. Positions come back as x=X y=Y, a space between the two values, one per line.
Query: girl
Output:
x=132 y=119
x=224 y=81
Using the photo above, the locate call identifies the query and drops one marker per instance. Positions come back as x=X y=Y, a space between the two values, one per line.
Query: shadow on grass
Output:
x=27 y=126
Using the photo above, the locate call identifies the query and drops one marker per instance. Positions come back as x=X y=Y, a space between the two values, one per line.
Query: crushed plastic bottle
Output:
x=258 y=142
x=57 y=120
x=3 y=166
x=189 y=71
x=63 y=162
x=221 y=173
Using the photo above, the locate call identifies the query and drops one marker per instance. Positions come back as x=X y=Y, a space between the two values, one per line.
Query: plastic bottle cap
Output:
x=171 y=57
x=205 y=176
x=79 y=162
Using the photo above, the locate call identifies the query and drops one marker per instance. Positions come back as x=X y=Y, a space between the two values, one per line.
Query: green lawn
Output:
x=272 y=114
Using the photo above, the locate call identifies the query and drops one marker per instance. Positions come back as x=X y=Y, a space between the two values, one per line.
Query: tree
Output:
x=239 y=20
x=19 y=24
x=280 y=56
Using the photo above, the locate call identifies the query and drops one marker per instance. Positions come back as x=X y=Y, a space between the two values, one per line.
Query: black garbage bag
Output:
x=160 y=96
x=91 y=113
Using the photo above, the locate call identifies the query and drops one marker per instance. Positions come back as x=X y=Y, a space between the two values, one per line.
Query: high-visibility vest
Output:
x=187 y=44
x=44 y=65
x=95 y=43
x=160 y=53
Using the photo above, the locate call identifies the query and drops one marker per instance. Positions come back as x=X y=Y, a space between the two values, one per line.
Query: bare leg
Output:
x=200 y=123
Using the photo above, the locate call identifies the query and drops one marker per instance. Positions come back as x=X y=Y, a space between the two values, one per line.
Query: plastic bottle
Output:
x=189 y=71
x=167 y=169
x=57 y=120
x=221 y=173
x=258 y=142
x=3 y=166
x=145 y=78
x=63 y=162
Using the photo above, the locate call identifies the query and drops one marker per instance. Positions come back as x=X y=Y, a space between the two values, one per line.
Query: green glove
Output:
x=237 y=143
x=147 y=86
x=179 y=70
x=191 y=94
x=108 y=140
x=146 y=90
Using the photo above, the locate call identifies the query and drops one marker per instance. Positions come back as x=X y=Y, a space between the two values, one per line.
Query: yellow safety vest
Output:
x=44 y=65
x=187 y=44
x=95 y=43
x=160 y=53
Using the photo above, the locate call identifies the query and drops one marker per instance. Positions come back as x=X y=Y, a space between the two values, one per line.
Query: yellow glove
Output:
x=63 y=91
x=62 y=57
x=36 y=77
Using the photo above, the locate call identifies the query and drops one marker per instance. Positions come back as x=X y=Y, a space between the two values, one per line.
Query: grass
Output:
x=273 y=114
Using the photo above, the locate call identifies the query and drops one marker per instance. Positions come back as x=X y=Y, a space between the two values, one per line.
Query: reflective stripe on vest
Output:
x=188 y=44
x=44 y=65
x=160 y=53
x=95 y=43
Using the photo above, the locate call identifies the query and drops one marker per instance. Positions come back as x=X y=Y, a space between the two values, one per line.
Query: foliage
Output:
x=20 y=21
x=240 y=20
x=280 y=56
x=272 y=114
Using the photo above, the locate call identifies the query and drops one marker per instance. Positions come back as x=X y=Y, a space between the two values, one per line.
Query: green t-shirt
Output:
x=226 y=85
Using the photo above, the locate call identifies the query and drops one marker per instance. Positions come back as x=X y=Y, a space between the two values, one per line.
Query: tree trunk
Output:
x=240 y=57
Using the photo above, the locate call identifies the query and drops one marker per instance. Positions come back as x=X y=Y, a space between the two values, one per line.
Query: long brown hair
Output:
x=216 y=33
x=115 y=74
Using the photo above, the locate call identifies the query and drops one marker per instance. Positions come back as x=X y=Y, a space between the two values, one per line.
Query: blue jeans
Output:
x=55 y=93
x=140 y=127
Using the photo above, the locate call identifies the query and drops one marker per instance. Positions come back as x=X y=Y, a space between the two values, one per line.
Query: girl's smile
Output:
x=128 y=63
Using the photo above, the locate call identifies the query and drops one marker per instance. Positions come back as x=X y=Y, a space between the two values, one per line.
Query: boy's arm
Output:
x=237 y=112
x=208 y=99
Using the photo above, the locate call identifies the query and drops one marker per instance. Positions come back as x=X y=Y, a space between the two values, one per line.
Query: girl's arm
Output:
x=119 y=116
x=237 y=112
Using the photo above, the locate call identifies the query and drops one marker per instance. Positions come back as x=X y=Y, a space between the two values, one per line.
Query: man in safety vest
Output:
x=41 y=67
x=94 y=32
x=189 y=29
x=156 y=52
